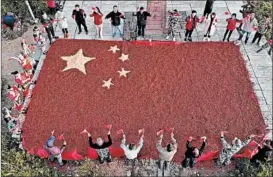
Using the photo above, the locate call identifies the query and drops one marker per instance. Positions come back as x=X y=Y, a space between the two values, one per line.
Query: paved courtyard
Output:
x=258 y=65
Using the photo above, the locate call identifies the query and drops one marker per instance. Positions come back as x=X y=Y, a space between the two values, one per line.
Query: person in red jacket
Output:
x=51 y=5
x=191 y=24
x=231 y=26
x=96 y=13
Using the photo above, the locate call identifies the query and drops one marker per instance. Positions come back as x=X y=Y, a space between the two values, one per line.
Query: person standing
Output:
x=210 y=26
x=249 y=23
x=263 y=27
x=191 y=23
x=208 y=8
x=101 y=147
x=79 y=16
x=62 y=21
x=96 y=13
x=263 y=153
x=268 y=44
x=132 y=150
x=229 y=150
x=193 y=152
x=166 y=154
x=141 y=20
x=115 y=16
x=173 y=23
x=54 y=152
x=52 y=7
x=47 y=22
x=231 y=26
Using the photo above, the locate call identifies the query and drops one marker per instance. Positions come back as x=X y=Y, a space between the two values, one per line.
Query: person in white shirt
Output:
x=131 y=151
x=166 y=154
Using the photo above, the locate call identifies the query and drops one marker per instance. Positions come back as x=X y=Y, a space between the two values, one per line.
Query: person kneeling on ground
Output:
x=54 y=152
x=263 y=153
x=192 y=153
x=229 y=150
x=166 y=154
x=131 y=151
x=101 y=147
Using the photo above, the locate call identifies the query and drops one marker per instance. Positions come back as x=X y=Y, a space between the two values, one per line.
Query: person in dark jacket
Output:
x=141 y=20
x=47 y=22
x=115 y=16
x=208 y=8
x=192 y=153
x=263 y=153
x=101 y=147
x=79 y=16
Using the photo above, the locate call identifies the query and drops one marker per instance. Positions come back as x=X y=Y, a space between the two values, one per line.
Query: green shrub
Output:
x=19 y=163
x=89 y=168
x=266 y=171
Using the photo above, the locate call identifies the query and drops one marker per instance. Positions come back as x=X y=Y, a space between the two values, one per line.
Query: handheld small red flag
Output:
x=93 y=8
x=84 y=131
x=61 y=137
x=141 y=131
x=226 y=13
x=159 y=132
x=255 y=28
x=108 y=126
x=170 y=129
x=120 y=131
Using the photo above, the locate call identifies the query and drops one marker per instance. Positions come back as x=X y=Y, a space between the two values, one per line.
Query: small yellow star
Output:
x=114 y=48
x=77 y=61
x=124 y=57
x=107 y=83
x=123 y=72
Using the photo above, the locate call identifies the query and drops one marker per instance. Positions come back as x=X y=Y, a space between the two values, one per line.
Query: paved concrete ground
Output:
x=258 y=65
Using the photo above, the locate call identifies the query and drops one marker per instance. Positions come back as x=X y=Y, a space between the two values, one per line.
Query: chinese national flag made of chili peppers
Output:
x=194 y=89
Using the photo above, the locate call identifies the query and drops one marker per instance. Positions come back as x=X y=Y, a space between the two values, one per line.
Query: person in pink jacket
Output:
x=210 y=26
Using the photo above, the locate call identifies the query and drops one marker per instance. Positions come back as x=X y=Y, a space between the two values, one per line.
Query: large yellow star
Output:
x=77 y=61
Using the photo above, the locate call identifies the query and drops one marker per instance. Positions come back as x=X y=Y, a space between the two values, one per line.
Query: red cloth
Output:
x=97 y=18
x=207 y=156
x=51 y=3
x=42 y=153
x=72 y=155
x=92 y=154
x=269 y=42
x=246 y=154
x=189 y=22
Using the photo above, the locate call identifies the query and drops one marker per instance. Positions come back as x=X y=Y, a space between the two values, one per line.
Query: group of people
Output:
x=19 y=94
x=247 y=25
x=166 y=154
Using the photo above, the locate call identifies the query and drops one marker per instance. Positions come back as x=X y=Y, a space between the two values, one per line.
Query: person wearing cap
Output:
x=173 y=23
x=101 y=147
x=131 y=151
x=79 y=16
x=231 y=25
x=61 y=18
x=96 y=13
x=115 y=17
x=249 y=23
x=167 y=153
x=193 y=152
x=141 y=20
x=263 y=26
x=191 y=23
x=210 y=26
x=231 y=149
x=54 y=152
